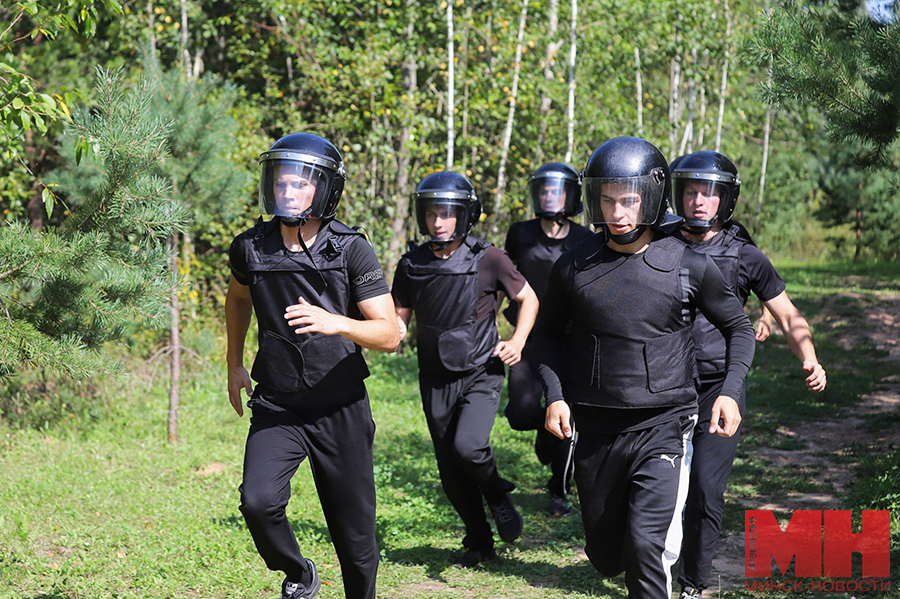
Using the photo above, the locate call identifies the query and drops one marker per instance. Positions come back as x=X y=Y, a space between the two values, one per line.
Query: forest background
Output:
x=130 y=135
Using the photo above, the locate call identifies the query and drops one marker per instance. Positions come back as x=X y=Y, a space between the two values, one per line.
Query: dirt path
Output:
x=822 y=440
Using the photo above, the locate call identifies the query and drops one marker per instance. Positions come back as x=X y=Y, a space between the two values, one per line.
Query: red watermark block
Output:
x=820 y=543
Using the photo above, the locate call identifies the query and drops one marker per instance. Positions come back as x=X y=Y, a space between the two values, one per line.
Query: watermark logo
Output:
x=820 y=543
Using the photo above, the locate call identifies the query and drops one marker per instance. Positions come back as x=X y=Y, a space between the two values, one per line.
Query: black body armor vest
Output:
x=444 y=294
x=631 y=344
x=725 y=250
x=288 y=362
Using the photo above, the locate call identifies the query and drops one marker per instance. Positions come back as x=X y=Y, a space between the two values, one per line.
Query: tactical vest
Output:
x=631 y=345
x=444 y=294
x=287 y=362
x=535 y=257
x=725 y=250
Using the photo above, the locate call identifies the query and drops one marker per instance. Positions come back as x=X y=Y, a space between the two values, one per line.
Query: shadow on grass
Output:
x=580 y=577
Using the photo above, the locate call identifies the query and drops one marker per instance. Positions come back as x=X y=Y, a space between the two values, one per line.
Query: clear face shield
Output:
x=553 y=195
x=442 y=221
x=623 y=203
x=293 y=189
x=698 y=199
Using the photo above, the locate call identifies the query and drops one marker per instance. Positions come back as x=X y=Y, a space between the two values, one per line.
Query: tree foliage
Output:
x=66 y=291
x=373 y=76
x=842 y=61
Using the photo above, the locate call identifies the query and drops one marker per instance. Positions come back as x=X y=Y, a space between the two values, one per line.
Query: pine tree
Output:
x=67 y=291
x=843 y=61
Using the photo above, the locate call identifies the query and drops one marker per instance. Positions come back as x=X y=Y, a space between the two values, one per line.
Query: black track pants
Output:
x=460 y=414
x=525 y=411
x=713 y=457
x=632 y=488
x=338 y=443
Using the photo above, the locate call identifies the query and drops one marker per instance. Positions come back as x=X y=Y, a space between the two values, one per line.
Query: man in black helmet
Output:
x=452 y=284
x=319 y=294
x=626 y=373
x=534 y=245
x=705 y=188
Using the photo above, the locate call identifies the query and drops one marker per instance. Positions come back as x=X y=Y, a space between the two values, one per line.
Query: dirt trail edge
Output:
x=878 y=326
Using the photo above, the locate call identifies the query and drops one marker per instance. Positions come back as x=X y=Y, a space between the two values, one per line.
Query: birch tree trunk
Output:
x=571 y=103
x=549 y=61
x=687 y=140
x=151 y=25
x=464 y=68
x=765 y=157
x=724 y=85
x=185 y=55
x=507 y=133
x=639 y=91
x=175 y=344
x=675 y=83
x=451 y=136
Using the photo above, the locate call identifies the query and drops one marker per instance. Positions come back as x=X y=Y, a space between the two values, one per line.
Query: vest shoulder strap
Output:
x=477 y=244
x=585 y=252
x=664 y=254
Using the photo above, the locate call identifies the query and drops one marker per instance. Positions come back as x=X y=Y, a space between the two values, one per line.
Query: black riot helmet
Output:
x=674 y=164
x=712 y=175
x=446 y=195
x=301 y=177
x=555 y=192
x=632 y=175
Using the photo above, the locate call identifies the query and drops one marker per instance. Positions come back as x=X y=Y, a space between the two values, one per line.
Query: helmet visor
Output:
x=442 y=219
x=698 y=198
x=623 y=201
x=554 y=195
x=293 y=188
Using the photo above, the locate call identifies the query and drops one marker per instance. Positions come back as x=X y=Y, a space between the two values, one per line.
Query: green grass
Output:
x=97 y=504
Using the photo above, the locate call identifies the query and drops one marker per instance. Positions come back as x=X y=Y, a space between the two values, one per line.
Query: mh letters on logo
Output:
x=820 y=546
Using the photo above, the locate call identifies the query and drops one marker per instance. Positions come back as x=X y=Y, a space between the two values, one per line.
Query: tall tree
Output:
x=203 y=179
x=507 y=132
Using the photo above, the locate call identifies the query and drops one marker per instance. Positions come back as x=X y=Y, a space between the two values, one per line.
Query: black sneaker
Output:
x=690 y=593
x=509 y=521
x=559 y=506
x=473 y=557
x=294 y=590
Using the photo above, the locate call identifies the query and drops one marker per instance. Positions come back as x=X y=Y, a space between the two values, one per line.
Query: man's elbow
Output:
x=391 y=340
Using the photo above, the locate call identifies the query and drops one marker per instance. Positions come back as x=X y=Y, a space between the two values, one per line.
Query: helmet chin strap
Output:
x=296 y=221
x=292 y=221
x=299 y=221
x=697 y=226
x=557 y=217
x=626 y=238
x=439 y=244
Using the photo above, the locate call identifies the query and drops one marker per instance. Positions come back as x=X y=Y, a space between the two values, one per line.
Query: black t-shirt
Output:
x=756 y=273
x=534 y=254
x=496 y=273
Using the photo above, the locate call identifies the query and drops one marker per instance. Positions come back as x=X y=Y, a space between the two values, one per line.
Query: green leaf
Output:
x=47 y=196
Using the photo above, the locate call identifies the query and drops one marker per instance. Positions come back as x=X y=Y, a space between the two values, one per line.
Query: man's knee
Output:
x=258 y=504
x=608 y=563
x=468 y=453
x=520 y=420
